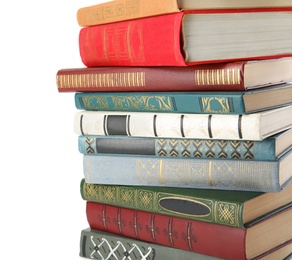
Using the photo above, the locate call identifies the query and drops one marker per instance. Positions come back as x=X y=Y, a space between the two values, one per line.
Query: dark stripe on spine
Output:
x=182 y=126
x=116 y=125
x=154 y=125
x=81 y=129
x=104 y=125
x=239 y=126
x=128 y=125
x=209 y=126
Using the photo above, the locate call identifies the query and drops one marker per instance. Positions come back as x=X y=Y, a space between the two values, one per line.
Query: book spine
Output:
x=96 y=244
x=217 y=77
x=190 y=235
x=177 y=203
x=168 y=125
x=178 y=148
x=179 y=172
x=133 y=43
x=201 y=102
x=115 y=11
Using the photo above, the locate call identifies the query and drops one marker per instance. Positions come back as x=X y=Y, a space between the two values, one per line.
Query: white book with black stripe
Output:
x=255 y=126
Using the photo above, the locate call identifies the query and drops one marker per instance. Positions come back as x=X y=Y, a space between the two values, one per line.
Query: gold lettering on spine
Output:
x=217 y=77
x=212 y=78
x=127 y=79
x=161 y=172
x=210 y=173
x=105 y=44
x=223 y=77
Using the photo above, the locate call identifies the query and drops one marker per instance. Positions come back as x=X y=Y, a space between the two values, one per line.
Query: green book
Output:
x=220 y=102
x=96 y=244
x=231 y=208
x=270 y=148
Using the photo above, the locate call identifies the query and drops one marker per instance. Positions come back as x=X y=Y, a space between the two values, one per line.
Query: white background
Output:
x=42 y=212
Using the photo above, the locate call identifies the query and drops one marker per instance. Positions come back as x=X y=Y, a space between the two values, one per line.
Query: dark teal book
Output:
x=270 y=148
x=220 y=174
x=243 y=102
x=96 y=244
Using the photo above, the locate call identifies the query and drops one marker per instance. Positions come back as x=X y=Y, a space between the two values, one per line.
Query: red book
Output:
x=221 y=241
x=231 y=76
x=189 y=38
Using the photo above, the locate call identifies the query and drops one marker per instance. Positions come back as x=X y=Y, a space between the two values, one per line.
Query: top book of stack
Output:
x=189 y=37
x=117 y=10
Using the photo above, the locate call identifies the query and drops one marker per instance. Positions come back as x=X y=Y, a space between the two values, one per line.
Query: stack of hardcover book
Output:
x=184 y=123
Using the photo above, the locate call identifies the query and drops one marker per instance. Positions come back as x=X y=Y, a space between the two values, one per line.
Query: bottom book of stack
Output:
x=96 y=244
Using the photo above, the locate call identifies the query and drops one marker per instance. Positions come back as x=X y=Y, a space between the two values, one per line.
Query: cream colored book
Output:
x=256 y=126
x=121 y=10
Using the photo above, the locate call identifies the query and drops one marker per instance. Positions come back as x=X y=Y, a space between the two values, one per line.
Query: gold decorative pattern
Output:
x=145 y=199
x=220 y=211
x=217 y=77
x=127 y=196
x=123 y=79
x=210 y=104
x=151 y=103
x=227 y=214
x=206 y=149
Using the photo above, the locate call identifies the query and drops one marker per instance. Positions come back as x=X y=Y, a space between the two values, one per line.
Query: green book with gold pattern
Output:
x=231 y=208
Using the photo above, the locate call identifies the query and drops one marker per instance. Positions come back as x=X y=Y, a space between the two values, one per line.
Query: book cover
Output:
x=185 y=42
x=268 y=149
x=96 y=244
x=219 y=102
x=192 y=235
x=221 y=174
x=232 y=76
x=114 y=11
x=224 y=207
x=254 y=126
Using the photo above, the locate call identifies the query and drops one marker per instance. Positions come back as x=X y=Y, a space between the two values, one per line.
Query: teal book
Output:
x=268 y=149
x=221 y=174
x=96 y=244
x=240 y=102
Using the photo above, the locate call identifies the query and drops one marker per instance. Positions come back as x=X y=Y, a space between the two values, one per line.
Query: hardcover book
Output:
x=268 y=149
x=113 y=11
x=221 y=174
x=254 y=126
x=252 y=242
x=229 y=208
x=232 y=76
x=96 y=244
x=189 y=38
x=222 y=102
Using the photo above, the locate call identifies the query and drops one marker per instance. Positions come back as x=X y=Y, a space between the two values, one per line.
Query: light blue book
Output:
x=245 y=175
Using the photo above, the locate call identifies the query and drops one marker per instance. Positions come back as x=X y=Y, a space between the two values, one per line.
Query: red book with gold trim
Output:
x=189 y=38
x=256 y=239
x=230 y=76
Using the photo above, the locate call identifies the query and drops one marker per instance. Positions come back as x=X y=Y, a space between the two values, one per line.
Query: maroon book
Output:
x=192 y=235
x=232 y=76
